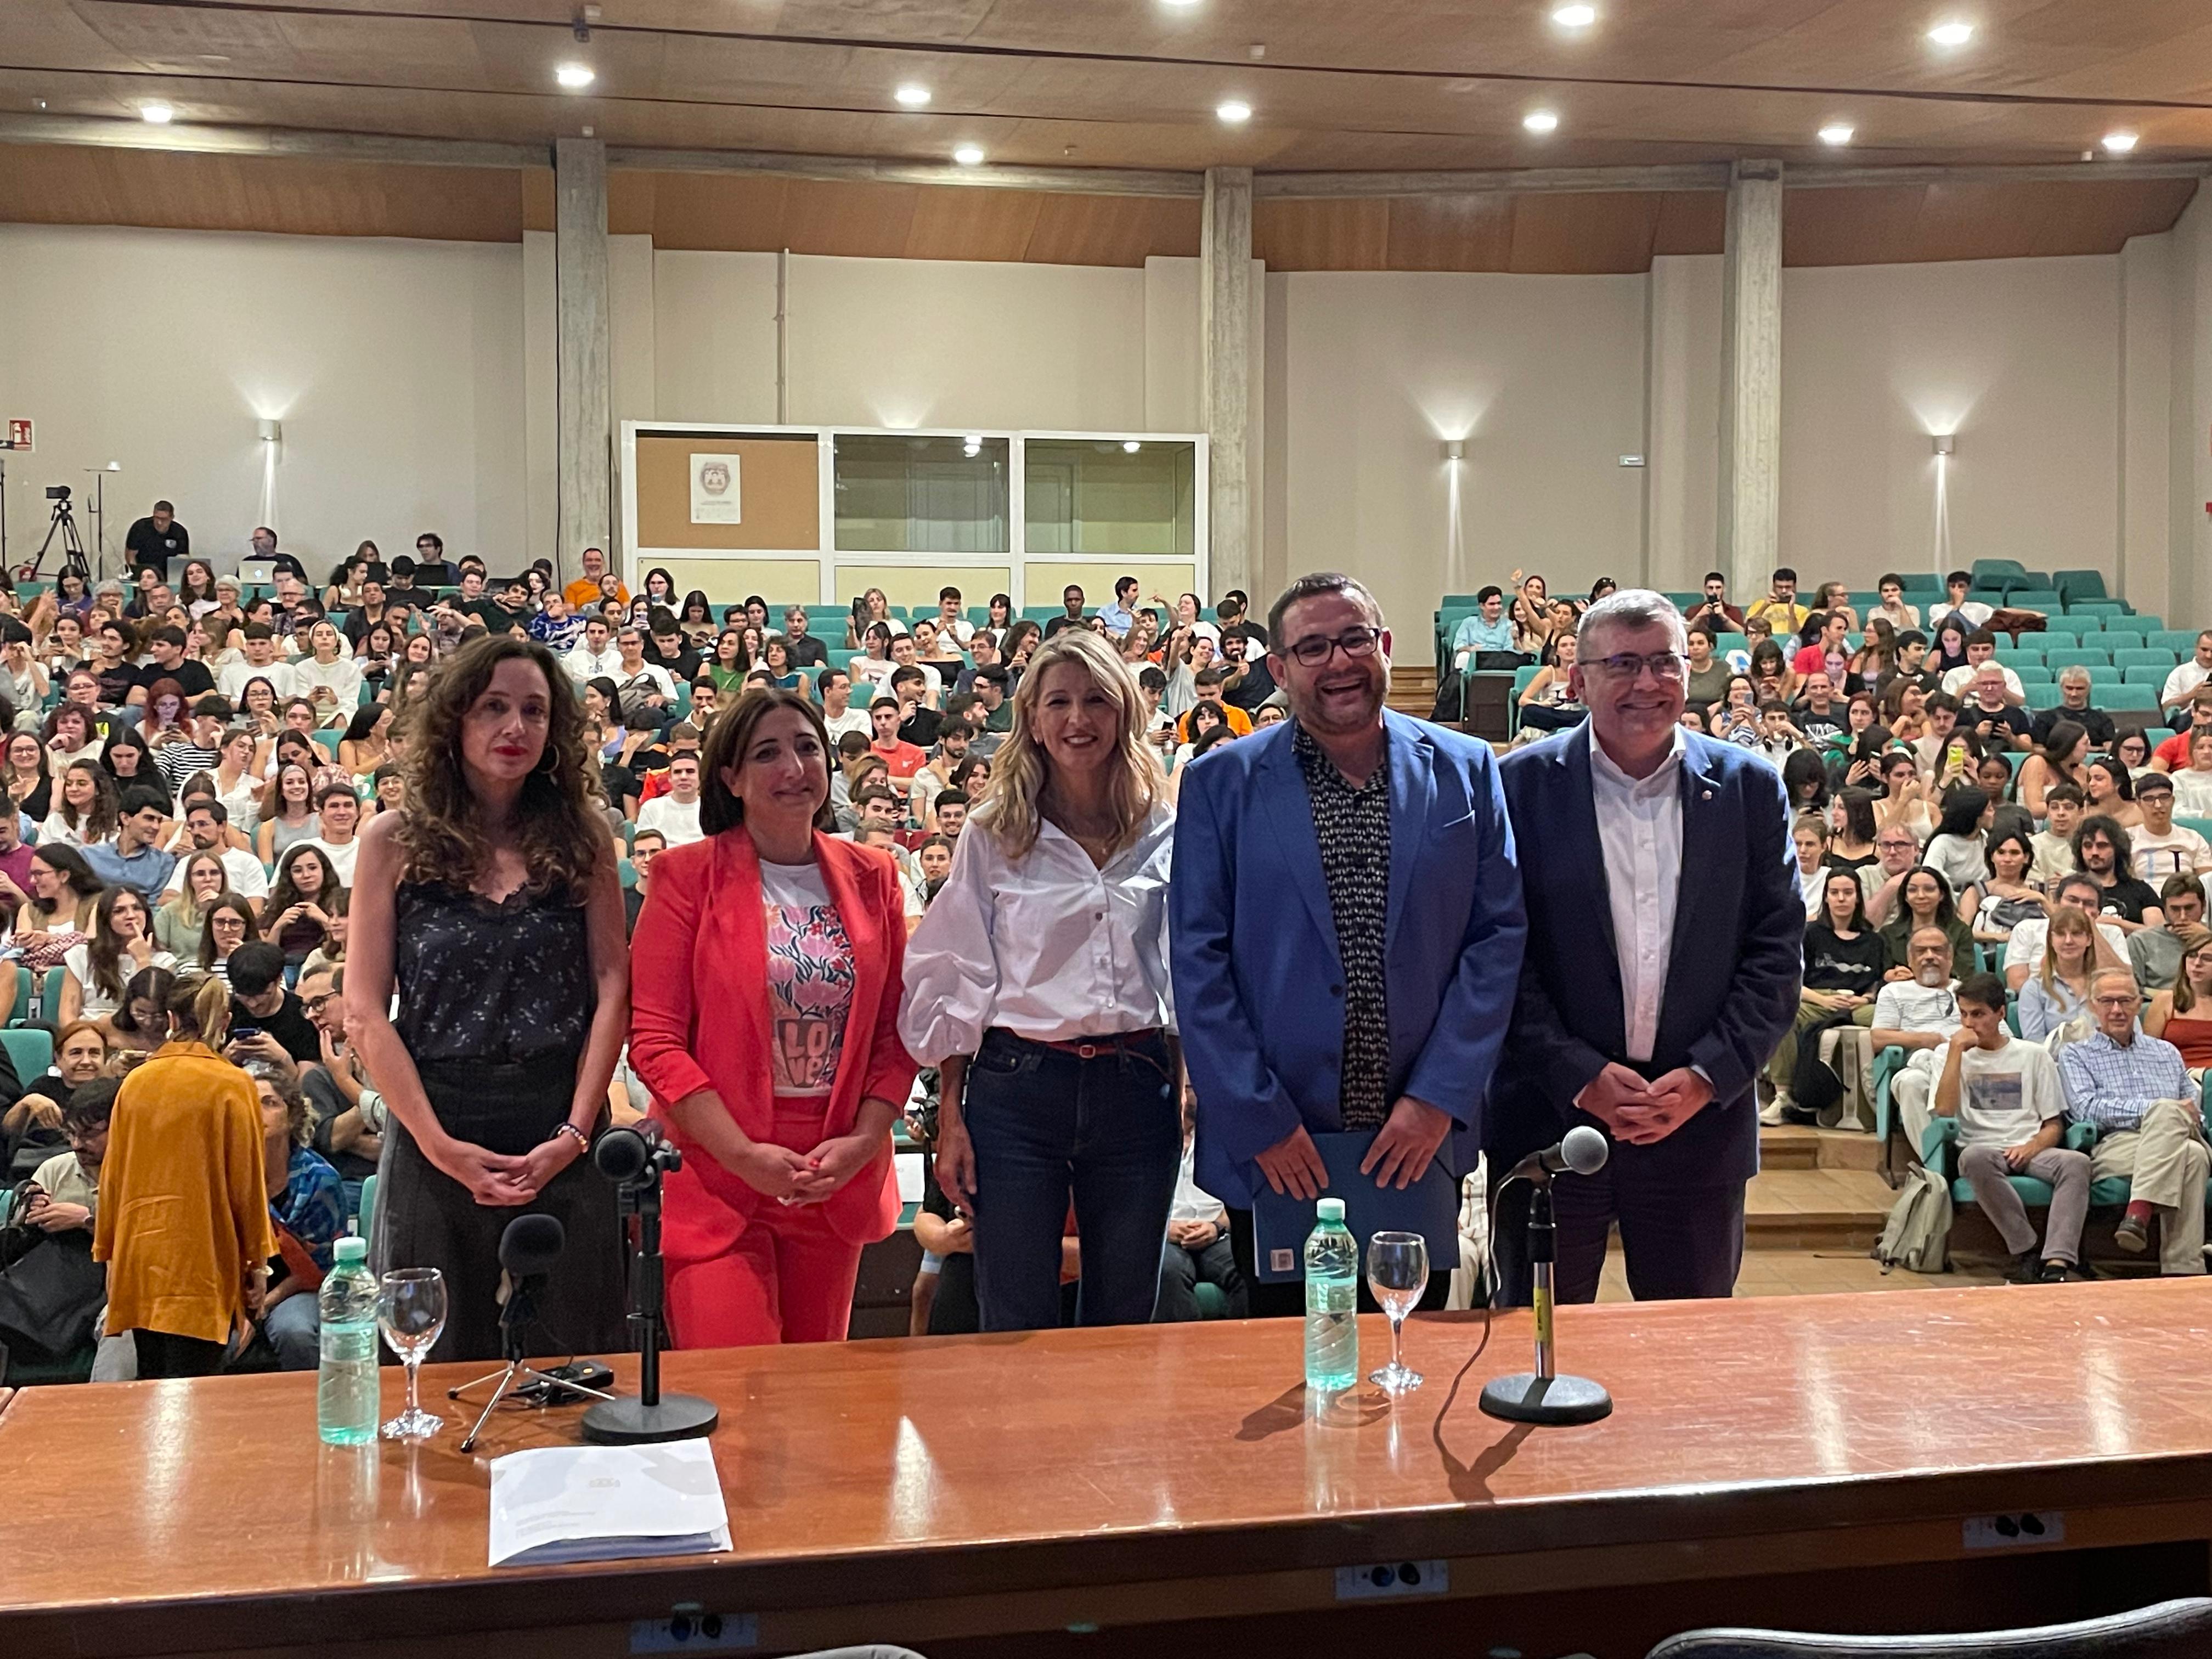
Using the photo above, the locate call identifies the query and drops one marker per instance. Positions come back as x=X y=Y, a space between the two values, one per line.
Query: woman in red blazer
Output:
x=764 y=1017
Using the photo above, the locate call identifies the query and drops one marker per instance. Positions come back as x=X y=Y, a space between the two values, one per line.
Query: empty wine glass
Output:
x=411 y=1311
x=1397 y=1272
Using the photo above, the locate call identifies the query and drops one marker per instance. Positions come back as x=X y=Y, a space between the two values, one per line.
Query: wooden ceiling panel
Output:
x=1849 y=226
x=1450 y=232
x=1321 y=235
x=1608 y=233
x=1691 y=221
x=1113 y=230
x=1414 y=84
x=952 y=223
x=725 y=213
x=58 y=185
x=864 y=222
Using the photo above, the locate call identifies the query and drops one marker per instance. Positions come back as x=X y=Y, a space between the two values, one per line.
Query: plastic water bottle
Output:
x=1331 y=1301
x=346 y=1383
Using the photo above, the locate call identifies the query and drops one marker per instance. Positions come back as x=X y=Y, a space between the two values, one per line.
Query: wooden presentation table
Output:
x=1838 y=1462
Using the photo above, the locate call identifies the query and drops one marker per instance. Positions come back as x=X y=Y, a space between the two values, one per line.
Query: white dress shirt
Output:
x=1639 y=827
x=1046 y=945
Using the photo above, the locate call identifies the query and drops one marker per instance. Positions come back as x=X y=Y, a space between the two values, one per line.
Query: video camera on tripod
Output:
x=62 y=523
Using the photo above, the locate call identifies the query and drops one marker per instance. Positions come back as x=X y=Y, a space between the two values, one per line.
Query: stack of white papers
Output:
x=607 y=1503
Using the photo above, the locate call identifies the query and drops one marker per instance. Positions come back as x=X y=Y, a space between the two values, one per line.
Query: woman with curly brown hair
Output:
x=492 y=901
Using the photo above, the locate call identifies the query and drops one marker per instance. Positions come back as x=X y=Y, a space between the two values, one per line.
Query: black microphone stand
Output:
x=514 y=1319
x=1542 y=1395
x=649 y=1417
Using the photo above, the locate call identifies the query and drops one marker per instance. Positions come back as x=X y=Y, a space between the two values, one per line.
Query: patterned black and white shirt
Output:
x=1354 y=827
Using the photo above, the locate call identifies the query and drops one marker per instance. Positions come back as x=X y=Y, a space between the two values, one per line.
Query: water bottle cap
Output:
x=1330 y=1209
x=350 y=1248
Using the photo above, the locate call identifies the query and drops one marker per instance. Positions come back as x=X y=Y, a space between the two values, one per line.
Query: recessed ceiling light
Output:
x=1952 y=34
x=1836 y=133
x=2119 y=143
x=1575 y=17
x=912 y=96
x=575 y=75
x=968 y=155
x=1130 y=446
x=1235 y=111
x=1540 y=120
x=1179 y=5
x=159 y=115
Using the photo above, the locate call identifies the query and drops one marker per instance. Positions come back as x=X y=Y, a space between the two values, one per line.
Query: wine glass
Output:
x=1397 y=1272
x=411 y=1311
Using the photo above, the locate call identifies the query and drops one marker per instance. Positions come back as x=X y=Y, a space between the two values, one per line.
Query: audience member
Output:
x=307 y=1213
x=2183 y=1014
x=1917 y=1013
x=2155 y=953
x=2147 y=1113
x=184 y=1226
x=2011 y=1112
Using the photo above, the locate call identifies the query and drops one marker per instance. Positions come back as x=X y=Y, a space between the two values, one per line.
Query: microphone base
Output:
x=1524 y=1397
x=630 y=1422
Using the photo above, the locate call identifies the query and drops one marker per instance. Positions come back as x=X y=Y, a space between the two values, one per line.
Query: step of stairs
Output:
x=1815 y=1209
x=1413 y=690
x=1794 y=1147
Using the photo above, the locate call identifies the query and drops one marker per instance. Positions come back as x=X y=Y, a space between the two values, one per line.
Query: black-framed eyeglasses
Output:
x=1628 y=665
x=1315 y=649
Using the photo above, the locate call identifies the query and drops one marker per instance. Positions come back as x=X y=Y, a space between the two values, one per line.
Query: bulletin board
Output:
x=780 y=485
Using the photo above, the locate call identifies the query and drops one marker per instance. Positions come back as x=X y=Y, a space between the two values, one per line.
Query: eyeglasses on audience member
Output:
x=1316 y=648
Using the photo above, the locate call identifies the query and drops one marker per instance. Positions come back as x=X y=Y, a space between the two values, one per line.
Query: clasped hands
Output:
x=1643 y=1112
x=1400 y=1157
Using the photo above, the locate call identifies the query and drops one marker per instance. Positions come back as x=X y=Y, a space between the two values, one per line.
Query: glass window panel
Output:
x=1089 y=495
x=915 y=494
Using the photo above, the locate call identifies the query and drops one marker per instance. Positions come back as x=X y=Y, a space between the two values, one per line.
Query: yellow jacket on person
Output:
x=183 y=1196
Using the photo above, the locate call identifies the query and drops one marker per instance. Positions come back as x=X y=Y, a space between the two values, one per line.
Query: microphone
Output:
x=621 y=1154
x=531 y=1244
x=1581 y=1150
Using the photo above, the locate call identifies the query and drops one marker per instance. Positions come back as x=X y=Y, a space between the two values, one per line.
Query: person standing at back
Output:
x=183 y=1221
x=1348 y=927
x=493 y=903
x=1665 y=950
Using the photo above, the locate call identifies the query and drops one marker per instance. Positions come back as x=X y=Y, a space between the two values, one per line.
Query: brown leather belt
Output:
x=1094 y=1047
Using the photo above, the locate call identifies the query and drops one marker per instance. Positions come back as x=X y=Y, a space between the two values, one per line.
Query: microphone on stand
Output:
x=634 y=1160
x=1543 y=1395
x=527 y=1250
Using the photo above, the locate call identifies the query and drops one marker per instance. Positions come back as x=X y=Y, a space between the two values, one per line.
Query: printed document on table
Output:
x=607 y=1503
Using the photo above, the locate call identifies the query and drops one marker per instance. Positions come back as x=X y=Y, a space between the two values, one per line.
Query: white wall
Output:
x=2021 y=358
x=1542 y=377
x=414 y=381
x=902 y=343
x=396 y=367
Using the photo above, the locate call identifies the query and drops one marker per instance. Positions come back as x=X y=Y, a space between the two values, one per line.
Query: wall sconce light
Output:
x=1455 y=449
x=270 y=431
x=1946 y=442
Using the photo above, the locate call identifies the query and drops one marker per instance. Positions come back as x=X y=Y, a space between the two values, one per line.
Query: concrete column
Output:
x=1225 y=326
x=1750 y=519
x=579 y=264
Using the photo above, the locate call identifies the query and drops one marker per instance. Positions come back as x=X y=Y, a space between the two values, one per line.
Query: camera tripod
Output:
x=63 y=524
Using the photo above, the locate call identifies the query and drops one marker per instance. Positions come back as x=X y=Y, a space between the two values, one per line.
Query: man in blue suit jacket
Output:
x=1345 y=926
x=1666 y=946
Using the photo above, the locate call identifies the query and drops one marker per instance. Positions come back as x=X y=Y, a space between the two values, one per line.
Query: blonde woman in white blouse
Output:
x=1037 y=984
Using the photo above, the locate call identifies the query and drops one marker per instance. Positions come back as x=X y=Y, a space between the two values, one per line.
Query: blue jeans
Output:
x=295 y=1329
x=1045 y=1122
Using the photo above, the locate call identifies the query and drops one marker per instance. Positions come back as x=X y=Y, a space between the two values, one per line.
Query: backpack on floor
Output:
x=1917 y=1235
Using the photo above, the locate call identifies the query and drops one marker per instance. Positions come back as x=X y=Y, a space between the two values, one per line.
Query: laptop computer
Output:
x=1430 y=1207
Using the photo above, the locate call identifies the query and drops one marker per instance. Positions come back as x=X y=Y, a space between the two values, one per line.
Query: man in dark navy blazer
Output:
x=1345 y=927
x=1665 y=949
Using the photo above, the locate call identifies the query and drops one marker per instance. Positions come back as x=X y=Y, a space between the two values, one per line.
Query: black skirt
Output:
x=425 y=1218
